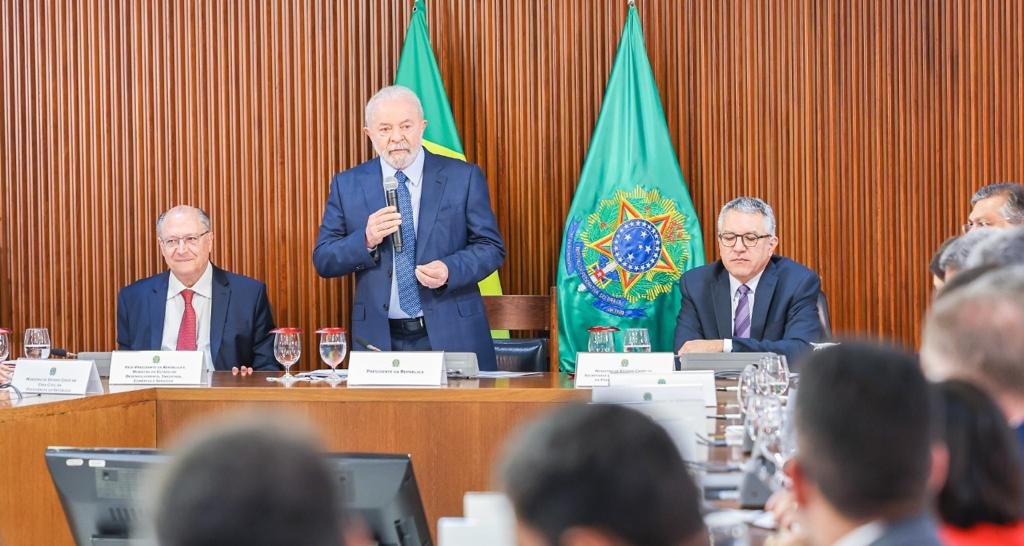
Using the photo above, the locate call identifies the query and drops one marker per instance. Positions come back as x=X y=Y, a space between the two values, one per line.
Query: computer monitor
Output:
x=101 y=493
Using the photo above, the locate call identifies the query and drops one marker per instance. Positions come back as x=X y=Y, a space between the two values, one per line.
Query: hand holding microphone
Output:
x=386 y=221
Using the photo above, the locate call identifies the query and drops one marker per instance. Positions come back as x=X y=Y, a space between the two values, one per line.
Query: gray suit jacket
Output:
x=914 y=531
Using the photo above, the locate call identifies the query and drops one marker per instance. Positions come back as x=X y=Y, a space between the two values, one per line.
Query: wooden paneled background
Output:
x=867 y=124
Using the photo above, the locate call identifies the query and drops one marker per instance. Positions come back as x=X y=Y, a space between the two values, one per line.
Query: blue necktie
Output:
x=405 y=261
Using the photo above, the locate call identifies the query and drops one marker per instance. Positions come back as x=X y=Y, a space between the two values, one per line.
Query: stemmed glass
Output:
x=287 y=349
x=777 y=438
x=774 y=375
x=333 y=347
x=5 y=344
x=37 y=343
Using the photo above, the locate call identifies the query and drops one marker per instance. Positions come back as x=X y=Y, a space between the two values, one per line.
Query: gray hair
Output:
x=975 y=331
x=749 y=205
x=1004 y=247
x=203 y=217
x=956 y=255
x=1013 y=209
x=388 y=93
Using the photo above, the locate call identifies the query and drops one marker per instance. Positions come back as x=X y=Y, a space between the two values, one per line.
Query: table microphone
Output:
x=365 y=343
x=391 y=194
x=57 y=351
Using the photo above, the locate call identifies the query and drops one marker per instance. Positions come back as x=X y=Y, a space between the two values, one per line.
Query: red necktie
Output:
x=187 y=331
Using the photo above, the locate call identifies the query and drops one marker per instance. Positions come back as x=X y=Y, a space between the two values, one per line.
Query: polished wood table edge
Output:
x=60 y=405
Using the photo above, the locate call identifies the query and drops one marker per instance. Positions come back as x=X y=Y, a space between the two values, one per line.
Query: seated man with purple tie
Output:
x=750 y=300
x=418 y=232
x=196 y=305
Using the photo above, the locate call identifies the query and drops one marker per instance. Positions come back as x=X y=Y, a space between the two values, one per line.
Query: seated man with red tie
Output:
x=195 y=305
x=750 y=300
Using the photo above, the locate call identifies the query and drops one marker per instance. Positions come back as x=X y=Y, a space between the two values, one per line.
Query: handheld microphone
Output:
x=391 y=194
x=365 y=343
x=57 y=351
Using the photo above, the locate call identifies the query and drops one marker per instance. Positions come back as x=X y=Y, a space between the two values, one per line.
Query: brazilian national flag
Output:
x=632 y=229
x=417 y=70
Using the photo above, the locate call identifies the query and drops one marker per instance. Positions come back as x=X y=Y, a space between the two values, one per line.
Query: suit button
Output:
x=386 y=306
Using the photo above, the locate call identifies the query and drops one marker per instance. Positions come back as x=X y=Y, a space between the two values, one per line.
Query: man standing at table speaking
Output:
x=417 y=264
x=196 y=305
x=750 y=300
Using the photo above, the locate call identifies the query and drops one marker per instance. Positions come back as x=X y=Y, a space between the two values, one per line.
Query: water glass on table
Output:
x=287 y=350
x=636 y=340
x=333 y=347
x=37 y=343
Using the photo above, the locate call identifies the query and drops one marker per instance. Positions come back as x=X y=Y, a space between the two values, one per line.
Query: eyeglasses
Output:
x=189 y=240
x=750 y=240
x=972 y=225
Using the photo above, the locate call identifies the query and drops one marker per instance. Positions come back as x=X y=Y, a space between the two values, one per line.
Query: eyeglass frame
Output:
x=743 y=236
x=975 y=225
x=189 y=240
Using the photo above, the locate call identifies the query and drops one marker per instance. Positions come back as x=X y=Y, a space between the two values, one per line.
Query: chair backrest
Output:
x=520 y=312
x=824 y=317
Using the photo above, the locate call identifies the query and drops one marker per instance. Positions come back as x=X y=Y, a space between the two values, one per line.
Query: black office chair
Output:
x=824 y=317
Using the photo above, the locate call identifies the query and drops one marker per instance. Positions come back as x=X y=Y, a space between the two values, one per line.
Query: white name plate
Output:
x=57 y=377
x=596 y=369
x=703 y=378
x=156 y=368
x=394 y=368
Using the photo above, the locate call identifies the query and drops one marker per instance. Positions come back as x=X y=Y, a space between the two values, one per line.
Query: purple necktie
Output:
x=741 y=326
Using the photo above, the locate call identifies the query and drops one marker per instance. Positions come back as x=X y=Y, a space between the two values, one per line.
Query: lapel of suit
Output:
x=722 y=301
x=762 y=300
x=430 y=200
x=219 y=310
x=157 y=309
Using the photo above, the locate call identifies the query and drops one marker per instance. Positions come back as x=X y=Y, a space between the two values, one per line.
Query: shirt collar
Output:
x=414 y=171
x=863 y=535
x=203 y=287
x=734 y=284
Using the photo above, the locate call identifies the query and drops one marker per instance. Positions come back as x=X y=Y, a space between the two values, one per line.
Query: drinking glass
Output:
x=747 y=386
x=333 y=347
x=602 y=339
x=774 y=375
x=777 y=439
x=37 y=343
x=727 y=528
x=287 y=349
x=5 y=344
x=636 y=340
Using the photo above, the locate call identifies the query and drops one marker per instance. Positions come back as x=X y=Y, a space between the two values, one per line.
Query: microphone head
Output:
x=390 y=183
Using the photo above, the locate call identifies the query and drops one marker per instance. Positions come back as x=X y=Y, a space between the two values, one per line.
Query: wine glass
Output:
x=747 y=386
x=602 y=339
x=333 y=347
x=777 y=438
x=5 y=344
x=774 y=375
x=287 y=349
x=37 y=343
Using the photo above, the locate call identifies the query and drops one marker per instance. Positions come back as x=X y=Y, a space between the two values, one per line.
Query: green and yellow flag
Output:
x=631 y=230
x=417 y=70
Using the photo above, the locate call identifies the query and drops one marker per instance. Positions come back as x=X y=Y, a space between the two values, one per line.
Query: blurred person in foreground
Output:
x=600 y=475
x=982 y=501
x=251 y=481
x=869 y=451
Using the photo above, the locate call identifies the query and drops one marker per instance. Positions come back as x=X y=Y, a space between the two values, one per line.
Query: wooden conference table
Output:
x=454 y=433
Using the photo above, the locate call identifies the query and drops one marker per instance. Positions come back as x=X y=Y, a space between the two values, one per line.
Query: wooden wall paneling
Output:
x=866 y=125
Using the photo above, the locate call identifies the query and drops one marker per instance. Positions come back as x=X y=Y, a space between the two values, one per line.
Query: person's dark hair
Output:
x=605 y=467
x=255 y=484
x=984 y=482
x=1005 y=247
x=864 y=429
x=934 y=265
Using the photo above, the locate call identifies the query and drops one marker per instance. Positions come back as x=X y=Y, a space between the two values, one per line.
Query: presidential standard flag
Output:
x=417 y=70
x=631 y=230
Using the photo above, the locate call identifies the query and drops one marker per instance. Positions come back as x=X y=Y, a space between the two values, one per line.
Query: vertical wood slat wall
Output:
x=866 y=124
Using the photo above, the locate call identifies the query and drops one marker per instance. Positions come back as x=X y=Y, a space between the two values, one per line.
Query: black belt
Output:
x=409 y=326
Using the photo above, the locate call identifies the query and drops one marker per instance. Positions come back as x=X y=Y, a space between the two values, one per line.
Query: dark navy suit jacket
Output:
x=240 y=319
x=456 y=226
x=785 y=315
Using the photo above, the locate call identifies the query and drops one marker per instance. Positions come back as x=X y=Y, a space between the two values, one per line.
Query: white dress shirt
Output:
x=863 y=535
x=415 y=185
x=202 y=302
x=734 y=289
